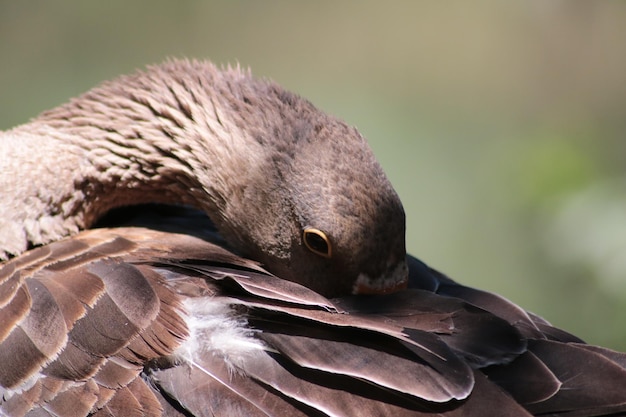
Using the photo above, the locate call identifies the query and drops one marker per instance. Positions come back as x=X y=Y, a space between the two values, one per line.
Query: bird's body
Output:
x=160 y=314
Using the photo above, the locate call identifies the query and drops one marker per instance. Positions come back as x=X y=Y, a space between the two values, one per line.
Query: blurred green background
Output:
x=501 y=123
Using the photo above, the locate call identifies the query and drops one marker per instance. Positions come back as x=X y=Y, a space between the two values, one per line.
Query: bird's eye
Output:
x=317 y=242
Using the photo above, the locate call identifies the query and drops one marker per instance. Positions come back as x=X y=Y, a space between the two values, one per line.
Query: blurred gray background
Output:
x=500 y=123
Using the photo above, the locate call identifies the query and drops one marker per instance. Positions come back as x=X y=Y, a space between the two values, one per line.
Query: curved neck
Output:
x=110 y=148
x=53 y=186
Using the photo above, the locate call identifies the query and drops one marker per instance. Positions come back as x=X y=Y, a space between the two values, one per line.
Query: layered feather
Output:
x=141 y=322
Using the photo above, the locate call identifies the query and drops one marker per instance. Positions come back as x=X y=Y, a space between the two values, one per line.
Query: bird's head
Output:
x=318 y=207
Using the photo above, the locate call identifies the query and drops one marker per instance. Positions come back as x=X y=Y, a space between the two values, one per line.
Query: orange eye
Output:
x=317 y=242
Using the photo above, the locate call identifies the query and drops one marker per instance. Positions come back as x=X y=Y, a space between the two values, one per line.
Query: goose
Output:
x=190 y=240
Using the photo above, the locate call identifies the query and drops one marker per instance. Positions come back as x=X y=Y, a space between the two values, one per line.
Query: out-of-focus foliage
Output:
x=501 y=123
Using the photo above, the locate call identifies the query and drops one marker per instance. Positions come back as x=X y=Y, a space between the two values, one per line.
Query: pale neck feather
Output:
x=62 y=171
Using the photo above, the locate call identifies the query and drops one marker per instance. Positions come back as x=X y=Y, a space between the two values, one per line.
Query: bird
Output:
x=189 y=240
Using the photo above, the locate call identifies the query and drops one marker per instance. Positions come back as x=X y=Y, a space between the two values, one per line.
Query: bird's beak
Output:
x=396 y=280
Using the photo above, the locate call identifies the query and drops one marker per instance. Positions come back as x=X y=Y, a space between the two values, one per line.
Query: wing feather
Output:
x=93 y=325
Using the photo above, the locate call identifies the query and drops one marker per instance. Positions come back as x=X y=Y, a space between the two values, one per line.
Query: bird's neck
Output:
x=59 y=176
x=52 y=187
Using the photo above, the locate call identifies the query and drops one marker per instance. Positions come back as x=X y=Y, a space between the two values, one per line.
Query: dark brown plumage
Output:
x=152 y=312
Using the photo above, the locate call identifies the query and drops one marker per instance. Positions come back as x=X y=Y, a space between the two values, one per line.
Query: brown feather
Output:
x=19 y=405
x=123 y=403
x=150 y=405
x=75 y=401
x=44 y=324
x=9 y=284
x=157 y=320
x=77 y=283
x=210 y=389
x=19 y=358
x=74 y=363
x=589 y=380
x=16 y=309
x=116 y=373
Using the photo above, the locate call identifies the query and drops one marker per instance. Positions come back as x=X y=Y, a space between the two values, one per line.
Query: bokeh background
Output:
x=501 y=123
